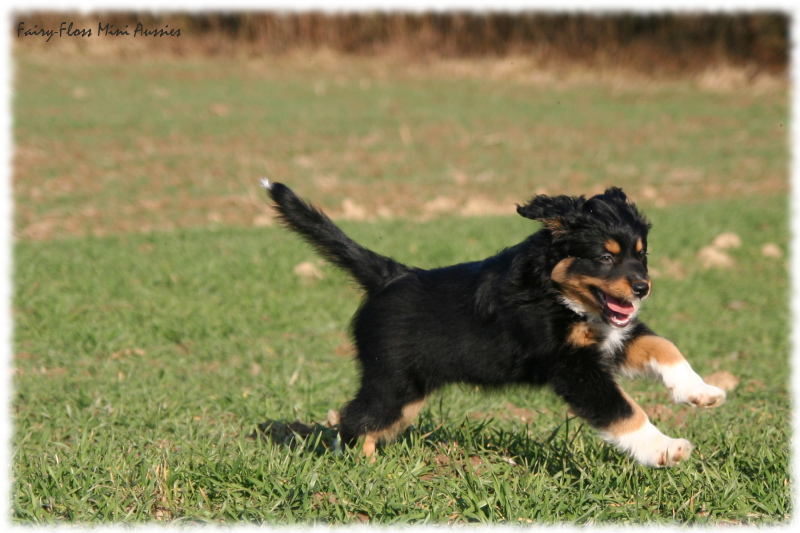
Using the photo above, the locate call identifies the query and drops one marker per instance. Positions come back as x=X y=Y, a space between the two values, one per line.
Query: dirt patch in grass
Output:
x=151 y=212
x=372 y=138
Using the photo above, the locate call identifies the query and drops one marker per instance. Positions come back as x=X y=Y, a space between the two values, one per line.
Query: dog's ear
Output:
x=615 y=193
x=552 y=211
x=615 y=207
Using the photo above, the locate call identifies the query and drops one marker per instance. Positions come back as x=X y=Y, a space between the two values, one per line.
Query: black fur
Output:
x=511 y=318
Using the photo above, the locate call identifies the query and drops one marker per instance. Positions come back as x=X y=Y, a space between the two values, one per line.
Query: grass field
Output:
x=159 y=321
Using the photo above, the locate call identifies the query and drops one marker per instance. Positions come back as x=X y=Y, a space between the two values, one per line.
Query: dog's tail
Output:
x=372 y=271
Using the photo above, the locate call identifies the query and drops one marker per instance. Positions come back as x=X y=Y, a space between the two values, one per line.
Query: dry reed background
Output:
x=662 y=43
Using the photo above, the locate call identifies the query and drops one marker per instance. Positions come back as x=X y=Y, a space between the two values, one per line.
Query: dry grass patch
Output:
x=136 y=146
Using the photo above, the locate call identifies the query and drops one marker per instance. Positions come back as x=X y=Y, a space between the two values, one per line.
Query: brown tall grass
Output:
x=646 y=42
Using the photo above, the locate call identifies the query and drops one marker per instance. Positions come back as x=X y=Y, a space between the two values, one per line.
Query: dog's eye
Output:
x=606 y=258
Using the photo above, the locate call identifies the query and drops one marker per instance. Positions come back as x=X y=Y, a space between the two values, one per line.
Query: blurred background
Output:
x=669 y=42
x=387 y=114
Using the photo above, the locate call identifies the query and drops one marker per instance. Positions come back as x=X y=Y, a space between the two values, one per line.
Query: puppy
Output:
x=559 y=308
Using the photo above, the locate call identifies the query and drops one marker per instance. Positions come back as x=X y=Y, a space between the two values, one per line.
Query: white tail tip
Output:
x=265 y=183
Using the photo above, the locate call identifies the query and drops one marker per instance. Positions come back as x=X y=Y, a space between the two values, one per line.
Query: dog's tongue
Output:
x=619 y=306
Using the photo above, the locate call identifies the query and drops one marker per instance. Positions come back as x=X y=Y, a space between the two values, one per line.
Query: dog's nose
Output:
x=640 y=288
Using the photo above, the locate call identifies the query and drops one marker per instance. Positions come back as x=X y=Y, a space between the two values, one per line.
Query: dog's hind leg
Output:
x=408 y=414
x=379 y=419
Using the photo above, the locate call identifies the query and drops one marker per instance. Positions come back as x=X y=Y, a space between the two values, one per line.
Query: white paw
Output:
x=688 y=387
x=699 y=395
x=671 y=452
x=652 y=448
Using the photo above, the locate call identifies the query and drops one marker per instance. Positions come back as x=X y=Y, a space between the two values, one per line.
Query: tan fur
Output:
x=574 y=287
x=613 y=246
x=579 y=287
x=370 y=442
x=559 y=273
x=409 y=413
x=582 y=335
x=554 y=225
x=639 y=245
x=618 y=289
x=630 y=424
x=642 y=350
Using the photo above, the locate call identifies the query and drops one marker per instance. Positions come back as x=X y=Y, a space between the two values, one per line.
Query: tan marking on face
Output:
x=581 y=335
x=573 y=286
x=578 y=288
x=407 y=416
x=651 y=348
x=559 y=273
x=613 y=246
x=639 y=245
x=630 y=424
x=619 y=289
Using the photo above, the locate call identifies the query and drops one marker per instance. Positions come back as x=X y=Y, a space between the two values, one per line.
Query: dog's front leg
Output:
x=636 y=435
x=654 y=354
x=593 y=394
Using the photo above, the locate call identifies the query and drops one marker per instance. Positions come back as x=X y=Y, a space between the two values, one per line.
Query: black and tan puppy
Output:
x=559 y=308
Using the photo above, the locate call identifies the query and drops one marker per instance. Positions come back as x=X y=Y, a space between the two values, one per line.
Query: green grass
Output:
x=155 y=329
x=121 y=145
x=143 y=362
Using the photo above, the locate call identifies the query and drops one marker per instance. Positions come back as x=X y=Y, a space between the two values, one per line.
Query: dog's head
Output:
x=599 y=252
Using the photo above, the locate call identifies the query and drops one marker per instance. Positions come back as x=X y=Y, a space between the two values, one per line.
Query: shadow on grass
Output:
x=478 y=442
x=482 y=441
x=318 y=436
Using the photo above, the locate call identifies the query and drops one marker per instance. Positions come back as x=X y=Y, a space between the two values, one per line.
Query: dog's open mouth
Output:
x=618 y=312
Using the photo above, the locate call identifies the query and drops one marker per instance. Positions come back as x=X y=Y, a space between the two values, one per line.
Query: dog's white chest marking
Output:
x=610 y=340
x=613 y=340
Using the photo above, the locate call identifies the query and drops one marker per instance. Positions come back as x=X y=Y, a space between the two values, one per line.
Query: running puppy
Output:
x=559 y=308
